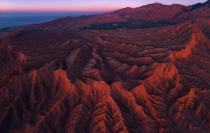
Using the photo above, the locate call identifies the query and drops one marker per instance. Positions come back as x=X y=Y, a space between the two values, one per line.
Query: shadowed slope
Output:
x=194 y=61
x=46 y=100
x=108 y=81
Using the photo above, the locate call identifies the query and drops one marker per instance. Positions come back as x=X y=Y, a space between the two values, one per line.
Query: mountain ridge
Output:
x=115 y=78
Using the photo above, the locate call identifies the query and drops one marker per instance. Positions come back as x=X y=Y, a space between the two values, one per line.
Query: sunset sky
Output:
x=80 y=5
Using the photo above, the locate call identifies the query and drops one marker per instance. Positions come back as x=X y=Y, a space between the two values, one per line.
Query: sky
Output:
x=80 y=5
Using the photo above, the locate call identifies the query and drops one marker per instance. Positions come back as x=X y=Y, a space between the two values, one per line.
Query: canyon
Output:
x=134 y=70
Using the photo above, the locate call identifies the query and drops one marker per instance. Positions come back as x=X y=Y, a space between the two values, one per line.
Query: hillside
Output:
x=140 y=70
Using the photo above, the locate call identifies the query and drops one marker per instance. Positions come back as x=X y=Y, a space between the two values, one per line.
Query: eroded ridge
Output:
x=55 y=98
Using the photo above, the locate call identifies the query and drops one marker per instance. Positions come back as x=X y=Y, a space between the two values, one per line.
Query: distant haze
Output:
x=80 y=5
x=12 y=19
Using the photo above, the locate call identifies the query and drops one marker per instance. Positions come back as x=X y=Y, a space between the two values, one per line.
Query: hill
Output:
x=137 y=70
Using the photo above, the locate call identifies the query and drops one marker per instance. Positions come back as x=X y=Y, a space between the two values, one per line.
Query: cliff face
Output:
x=118 y=80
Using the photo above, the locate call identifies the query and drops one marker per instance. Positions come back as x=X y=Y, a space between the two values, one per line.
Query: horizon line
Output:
x=96 y=9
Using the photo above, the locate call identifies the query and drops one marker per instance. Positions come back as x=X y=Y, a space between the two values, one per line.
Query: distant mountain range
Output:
x=134 y=70
x=156 y=14
x=152 y=13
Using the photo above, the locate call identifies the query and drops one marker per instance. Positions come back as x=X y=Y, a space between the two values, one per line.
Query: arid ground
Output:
x=134 y=70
